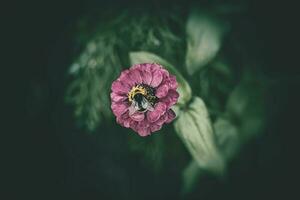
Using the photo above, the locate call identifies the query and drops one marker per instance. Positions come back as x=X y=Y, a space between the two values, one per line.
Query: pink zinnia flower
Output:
x=142 y=98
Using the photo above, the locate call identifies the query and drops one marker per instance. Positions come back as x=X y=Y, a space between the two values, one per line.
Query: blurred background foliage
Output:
x=106 y=54
x=184 y=40
x=83 y=150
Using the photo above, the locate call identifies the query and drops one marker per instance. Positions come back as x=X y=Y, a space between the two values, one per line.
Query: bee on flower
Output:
x=142 y=98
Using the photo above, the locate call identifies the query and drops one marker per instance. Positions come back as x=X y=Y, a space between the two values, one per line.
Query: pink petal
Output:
x=171 y=98
x=144 y=124
x=124 y=74
x=172 y=82
x=155 y=127
x=143 y=131
x=148 y=66
x=171 y=115
x=138 y=116
x=136 y=66
x=135 y=76
x=156 y=79
x=159 y=109
x=119 y=87
x=124 y=120
x=155 y=66
x=162 y=91
x=146 y=76
x=142 y=127
x=119 y=108
x=133 y=125
x=165 y=73
x=162 y=119
x=124 y=78
x=117 y=97
x=127 y=123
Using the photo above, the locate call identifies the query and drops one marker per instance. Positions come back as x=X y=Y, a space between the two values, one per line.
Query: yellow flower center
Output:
x=139 y=89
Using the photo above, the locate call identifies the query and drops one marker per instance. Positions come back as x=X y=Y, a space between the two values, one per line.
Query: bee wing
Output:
x=150 y=107
x=133 y=108
x=146 y=105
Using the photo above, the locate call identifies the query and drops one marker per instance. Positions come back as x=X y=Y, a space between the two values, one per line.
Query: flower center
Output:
x=142 y=97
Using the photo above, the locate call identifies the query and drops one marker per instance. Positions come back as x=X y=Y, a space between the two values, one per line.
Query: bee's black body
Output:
x=143 y=100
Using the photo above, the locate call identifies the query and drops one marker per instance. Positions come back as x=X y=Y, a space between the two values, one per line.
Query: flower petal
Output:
x=172 y=82
x=133 y=124
x=157 y=78
x=119 y=87
x=135 y=76
x=159 y=110
x=147 y=77
x=137 y=116
x=117 y=97
x=144 y=124
x=143 y=131
x=155 y=66
x=171 y=115
x=162 y=91
x=162 y=119
x=142 y=128
x=155 y=127
x=165 y=73
x=119 y=108
x=124 y=78
x=171 y=98
x=124 y=119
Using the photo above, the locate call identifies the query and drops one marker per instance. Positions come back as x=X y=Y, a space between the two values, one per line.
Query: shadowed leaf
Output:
x=204 y=37
x=195 y=130
x=190 y=177
x=227 y=137
x=245 y=106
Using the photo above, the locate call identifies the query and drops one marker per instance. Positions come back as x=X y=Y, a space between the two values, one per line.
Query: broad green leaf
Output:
x=184 y=88
x=190 y=176
x=245 y=107
x=195 y=130
x=227 y=137
x=214 y=84
x=244 y=116
x=204 y=37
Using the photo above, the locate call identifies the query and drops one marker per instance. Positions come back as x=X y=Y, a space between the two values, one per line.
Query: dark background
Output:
x=44 y=163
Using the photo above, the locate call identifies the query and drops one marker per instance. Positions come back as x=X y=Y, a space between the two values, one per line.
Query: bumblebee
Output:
x=142 y=98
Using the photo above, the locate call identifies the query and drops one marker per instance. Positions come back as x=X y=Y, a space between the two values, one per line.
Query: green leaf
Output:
x=227 y=137
x=92 y=74
x=204 y=37
x=214 y=83
x=190 y=177
x=184 y=88
x=195 y=130
x=245 y=106
x=150 y=149
x=244 y=116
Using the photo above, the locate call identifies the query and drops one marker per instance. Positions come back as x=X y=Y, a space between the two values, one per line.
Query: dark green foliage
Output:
x=106 y=54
